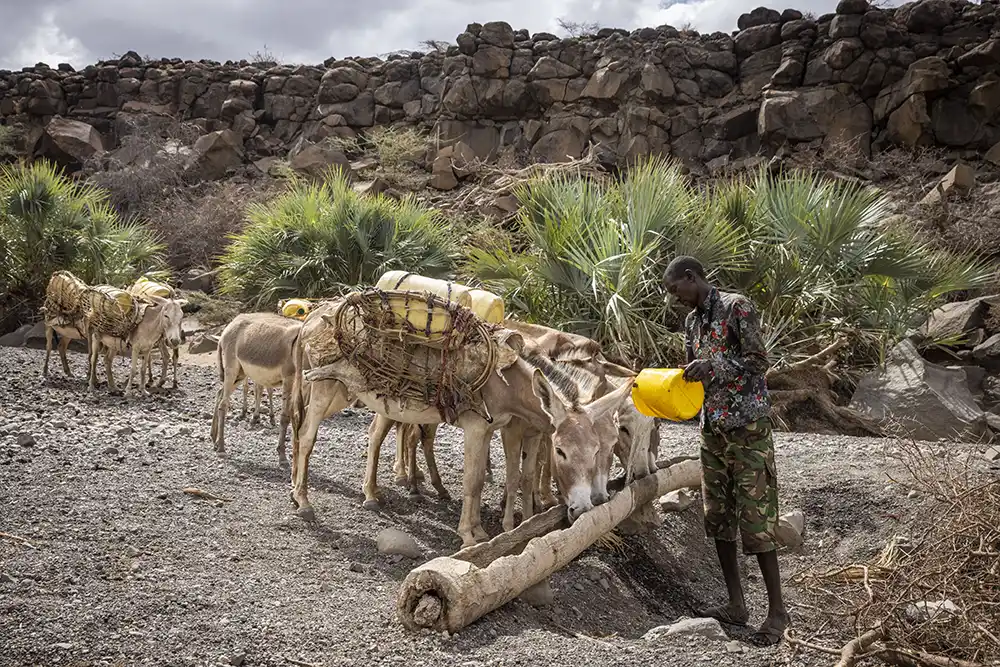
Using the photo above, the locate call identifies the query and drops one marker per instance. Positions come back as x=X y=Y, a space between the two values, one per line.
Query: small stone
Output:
x=26 y=440
x=992 y=454
x=356 y=567
x=131 y=551
x=124 y=431
x=7 y=579
x=676 y=501
x=110 y=451
x=59 y=424
x=539 y=595
x=709 y=628
x=913 y=494
x=395 y=542
x=237 y=659
x=790 y=530
x=734 y=647
x=65 y=646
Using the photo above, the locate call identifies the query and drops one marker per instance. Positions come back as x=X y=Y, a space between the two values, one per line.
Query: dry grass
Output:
x=400 y=151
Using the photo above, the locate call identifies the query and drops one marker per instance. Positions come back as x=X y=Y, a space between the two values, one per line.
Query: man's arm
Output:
x=752 y=357
x=689 y=337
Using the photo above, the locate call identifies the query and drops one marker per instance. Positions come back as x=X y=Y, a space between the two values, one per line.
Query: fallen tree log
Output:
x=449 y=593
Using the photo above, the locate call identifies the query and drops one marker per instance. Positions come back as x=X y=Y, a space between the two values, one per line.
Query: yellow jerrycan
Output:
x=487 y=306
x=295 y=308
x=665 y=394
x=404 y=280
x=144 y=287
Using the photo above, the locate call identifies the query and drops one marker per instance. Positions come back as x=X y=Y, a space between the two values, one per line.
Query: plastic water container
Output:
x=665 y=394
x=487 y=306
x=108 y=295
x=144 y=287
x=296 y=308
x=403 y=280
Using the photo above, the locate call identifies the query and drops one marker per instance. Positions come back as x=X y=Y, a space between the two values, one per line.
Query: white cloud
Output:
x=46 y=43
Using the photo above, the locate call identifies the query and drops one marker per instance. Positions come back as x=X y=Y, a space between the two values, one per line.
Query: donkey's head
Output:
x=582 y=442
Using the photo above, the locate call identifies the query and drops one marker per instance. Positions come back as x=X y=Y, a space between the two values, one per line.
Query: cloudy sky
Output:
x=82 y=32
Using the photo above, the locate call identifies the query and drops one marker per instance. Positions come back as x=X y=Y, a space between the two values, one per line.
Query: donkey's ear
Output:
x=608 y=403
x=552 y=403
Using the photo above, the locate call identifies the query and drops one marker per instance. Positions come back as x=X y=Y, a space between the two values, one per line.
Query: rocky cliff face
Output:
x=922 y=74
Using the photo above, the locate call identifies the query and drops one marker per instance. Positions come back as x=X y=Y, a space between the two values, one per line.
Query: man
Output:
x=725 y=351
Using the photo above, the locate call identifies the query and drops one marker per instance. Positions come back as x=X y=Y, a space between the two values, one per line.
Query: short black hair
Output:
x=681 y=265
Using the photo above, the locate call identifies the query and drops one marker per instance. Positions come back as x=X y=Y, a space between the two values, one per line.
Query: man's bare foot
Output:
x=730 y=613
x=772 y=630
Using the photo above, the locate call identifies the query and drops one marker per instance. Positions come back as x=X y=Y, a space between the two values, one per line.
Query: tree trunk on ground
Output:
x=449 y=593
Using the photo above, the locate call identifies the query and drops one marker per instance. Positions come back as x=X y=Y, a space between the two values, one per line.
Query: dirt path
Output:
x=124 y=569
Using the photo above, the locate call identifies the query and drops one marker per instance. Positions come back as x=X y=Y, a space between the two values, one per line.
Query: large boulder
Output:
x=958 y=320
x=71 y=140
x=920 y=399
x=315 y=160
x=214 y=154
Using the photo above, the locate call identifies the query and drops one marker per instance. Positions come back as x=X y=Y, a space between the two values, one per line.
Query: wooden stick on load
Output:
x=448 y=593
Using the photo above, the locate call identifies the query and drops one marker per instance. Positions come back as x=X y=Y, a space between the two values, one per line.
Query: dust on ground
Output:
x=125 y=569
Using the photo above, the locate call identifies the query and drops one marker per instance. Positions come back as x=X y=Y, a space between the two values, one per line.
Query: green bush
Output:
x=817 y=257
x=320 y=239
x=49 y=223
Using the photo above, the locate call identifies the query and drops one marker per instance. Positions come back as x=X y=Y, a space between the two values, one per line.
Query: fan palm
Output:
x=322 y=238
x=49 y=222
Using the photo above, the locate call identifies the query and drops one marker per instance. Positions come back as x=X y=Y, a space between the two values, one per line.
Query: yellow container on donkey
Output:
x=486 y=305
x=295 y=308
x=665 y=394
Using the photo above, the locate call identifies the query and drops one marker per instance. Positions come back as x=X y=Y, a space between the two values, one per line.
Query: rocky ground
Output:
x=122 y=568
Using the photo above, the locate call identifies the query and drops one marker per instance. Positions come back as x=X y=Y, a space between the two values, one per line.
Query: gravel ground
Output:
x=125 y=569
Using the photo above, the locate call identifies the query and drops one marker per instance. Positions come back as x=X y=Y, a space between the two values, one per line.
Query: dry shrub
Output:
x=932 y=597
x=148 y=166
x=196 y=222
x=9 y=137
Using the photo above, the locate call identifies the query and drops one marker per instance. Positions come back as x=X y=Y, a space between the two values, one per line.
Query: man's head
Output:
x=685 y=280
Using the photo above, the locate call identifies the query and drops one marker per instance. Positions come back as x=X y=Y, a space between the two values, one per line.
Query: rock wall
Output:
x=922 y=74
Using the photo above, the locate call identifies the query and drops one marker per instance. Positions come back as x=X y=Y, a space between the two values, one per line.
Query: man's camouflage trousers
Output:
x=739 y=485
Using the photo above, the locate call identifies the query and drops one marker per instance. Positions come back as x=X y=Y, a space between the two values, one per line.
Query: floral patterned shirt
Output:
x=725 y=330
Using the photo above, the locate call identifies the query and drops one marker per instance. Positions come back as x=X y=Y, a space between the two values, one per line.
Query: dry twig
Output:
x=19 y=539
x=198 y=493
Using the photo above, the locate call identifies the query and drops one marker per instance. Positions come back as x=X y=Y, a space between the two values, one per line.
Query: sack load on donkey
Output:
x=410 y=345
x=113 y=312
x=65 y=303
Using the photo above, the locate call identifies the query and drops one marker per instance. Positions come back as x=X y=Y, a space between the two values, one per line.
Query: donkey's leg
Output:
x=64 y=342
x=427 y=435
x=377 y=430
x=511 y=436
x=476 y=433
x=246 y=396
x=326 y=397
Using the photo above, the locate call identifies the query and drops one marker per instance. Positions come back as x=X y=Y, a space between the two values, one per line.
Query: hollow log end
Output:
x=428 y=611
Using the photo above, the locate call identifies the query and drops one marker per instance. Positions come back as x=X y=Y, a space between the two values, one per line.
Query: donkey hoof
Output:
x=372 y=505
x=415 y=494
x=307 y=514
x=283 y=463
x=444 y=495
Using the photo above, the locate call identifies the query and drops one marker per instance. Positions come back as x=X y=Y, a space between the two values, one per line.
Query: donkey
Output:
x=259 y=346
x=161 y=319
x=517 y=392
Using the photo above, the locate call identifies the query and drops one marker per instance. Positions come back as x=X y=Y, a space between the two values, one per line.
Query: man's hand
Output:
x=698 y=371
